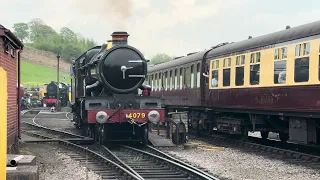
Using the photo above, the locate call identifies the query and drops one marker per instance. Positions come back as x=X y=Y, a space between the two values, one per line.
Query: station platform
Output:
x=159 y=140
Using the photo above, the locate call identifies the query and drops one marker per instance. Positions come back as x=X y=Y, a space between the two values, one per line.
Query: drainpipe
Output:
x=19 y=100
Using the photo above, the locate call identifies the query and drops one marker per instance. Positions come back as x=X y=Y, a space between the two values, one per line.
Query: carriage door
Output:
x=204 y=81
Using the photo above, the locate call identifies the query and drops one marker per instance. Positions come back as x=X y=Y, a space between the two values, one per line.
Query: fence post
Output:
x=3 y=123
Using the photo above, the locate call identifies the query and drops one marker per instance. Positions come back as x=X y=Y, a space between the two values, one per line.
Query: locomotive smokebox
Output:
x=119 y=38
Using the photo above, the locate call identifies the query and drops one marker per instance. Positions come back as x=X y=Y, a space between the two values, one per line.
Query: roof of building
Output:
x=4 y=32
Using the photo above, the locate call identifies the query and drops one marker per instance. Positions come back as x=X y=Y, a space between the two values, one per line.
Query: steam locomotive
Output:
x=50 y=97
x=106 y=102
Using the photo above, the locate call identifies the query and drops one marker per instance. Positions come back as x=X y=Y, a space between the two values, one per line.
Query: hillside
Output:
x=37 y=74
x=44 y=58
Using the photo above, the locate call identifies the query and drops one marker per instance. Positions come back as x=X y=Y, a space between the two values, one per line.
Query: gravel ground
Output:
x=59 y=121
x=56 y=166
x=234 y=164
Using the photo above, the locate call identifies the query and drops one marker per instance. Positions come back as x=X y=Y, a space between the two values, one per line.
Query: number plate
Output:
x=137 y=115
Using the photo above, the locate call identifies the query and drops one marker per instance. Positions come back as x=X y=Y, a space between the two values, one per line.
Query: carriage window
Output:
x=215 y=77
x=160 y=82
x=198 y=75
x=255 y=68
x=279 y=74
x=284 y=52
x=254 y=74
x=226 y=77
x=152 y=83
x=298 y=47
x=238 y=60
x=255 y=57
x=252 y=58
x=301 y=69
x=171 y=83
x=239 y=76
x=181 y=78
x=226 y=72
x=166 y=80
x=156 y=82
x=243 y=59
x=192 y=76
x=306 y=48
x=239 y=80
x=175 y=79
x=276 y=54
x=215 y=73
x=258 y=56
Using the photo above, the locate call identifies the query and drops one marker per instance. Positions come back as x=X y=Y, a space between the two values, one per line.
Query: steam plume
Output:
x=116 y=12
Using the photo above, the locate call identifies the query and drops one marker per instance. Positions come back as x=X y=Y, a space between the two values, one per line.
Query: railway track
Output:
x=282 y=152
x=150 y=163
x=119 y=161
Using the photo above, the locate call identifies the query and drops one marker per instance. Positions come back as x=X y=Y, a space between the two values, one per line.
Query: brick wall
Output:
x=9 y=64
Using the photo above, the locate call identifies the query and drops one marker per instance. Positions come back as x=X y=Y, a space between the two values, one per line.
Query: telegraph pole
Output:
x=58 y=94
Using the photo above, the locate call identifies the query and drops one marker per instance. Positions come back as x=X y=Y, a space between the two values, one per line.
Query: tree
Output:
x=21 y=30
x=67 y=34
x=68 y=43
x=160 y=58
x=39 y=30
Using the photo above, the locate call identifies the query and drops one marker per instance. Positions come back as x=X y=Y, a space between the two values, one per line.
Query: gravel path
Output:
x=234 y=164
x=57 y=166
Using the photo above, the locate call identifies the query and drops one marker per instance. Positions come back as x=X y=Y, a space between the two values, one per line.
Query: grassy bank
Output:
x=37 y=74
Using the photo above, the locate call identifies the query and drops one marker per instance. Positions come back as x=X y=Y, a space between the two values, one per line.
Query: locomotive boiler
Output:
x=105 y=99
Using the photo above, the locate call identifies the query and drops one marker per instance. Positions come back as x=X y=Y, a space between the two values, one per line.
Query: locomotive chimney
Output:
x=119 y=37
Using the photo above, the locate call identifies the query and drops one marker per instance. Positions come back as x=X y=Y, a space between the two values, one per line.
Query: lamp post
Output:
x=58 y=97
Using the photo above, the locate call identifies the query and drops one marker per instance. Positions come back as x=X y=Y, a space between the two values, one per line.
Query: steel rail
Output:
x=180 y=162
x=186 y=168
x=54 y=130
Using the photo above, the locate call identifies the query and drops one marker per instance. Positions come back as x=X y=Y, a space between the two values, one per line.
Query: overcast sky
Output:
x=174 y=27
